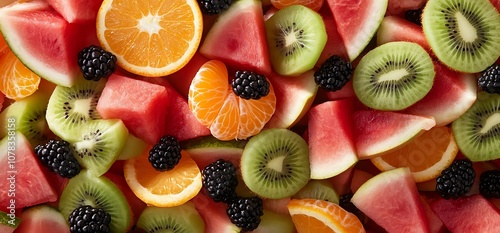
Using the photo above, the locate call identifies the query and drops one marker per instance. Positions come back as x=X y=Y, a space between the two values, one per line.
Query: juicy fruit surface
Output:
x=185 y=215
x=40 y=218
x=17 y=81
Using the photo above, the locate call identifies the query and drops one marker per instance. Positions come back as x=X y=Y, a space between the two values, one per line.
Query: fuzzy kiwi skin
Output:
x=183 y=218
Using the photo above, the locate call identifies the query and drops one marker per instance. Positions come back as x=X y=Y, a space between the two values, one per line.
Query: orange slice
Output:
x=150 y=37
x=163 y=189
x=216 y=106
x=16 y=81
x=314 y=216
x=426 y=155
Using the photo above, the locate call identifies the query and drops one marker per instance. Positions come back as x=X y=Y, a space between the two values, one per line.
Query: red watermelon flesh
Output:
x=42 y=218
x=473 y=214
x=359 y=177
x=391 y=200
x=341 y=182
x=334 y=44
x=76 y=11
x=377 y=132
x=346 y=92
x=181 y=80
x=24 y=176
x=238 y=38
x=331 y=141
x=141 y=105
x=43 y=40
x=357 y=21
x=394 y=28
x=496 y=3
x=397 y=7
x=435 y=223
x=214 y=215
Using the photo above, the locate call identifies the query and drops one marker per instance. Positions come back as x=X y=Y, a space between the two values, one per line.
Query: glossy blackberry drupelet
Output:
x=165 y=154
x=489 y=80
x=88 y=219
x=245 y=212
x=58 y=156
x=214 y=7
x=489 y=184
x=250 y=85
x=96 y=63
x=333 y=74
x=456 y=180
x=414 y=16
x=220 y=180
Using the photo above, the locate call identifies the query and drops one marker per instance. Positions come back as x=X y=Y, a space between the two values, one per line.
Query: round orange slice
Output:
x=163 y=189
x=150 y=37
x=16 y=81
x=427 y=155
x=314 y=216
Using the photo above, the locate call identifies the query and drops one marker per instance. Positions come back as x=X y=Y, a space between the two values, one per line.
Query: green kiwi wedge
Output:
x=296 y=36
x=71 y=107
x=463 y=34
x=393 y=76
x=98 y=192
x=275 y=163
x=477 y=131
x=133 y=147
x=99 y=143
x=179 y=219
x=319 y=190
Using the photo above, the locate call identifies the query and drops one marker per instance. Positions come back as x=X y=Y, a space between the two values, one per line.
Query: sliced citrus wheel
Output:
x=426 y=155
x=314 y=5
x=16 y=81
x=314 y=216
x=150 y=37
x=163 y=189
x=216 y=106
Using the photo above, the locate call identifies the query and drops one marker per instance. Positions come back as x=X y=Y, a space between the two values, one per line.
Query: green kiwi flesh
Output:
x=275 y=163
x=477 y=131
x=463 y=34
x=99 y=143
x=178 y=219
x=393 y=76
x=296 y=36
x=133 y=147
x=98 y=192
x=319 y=190
x=70 y=108
x=5 y=220
x=275 y=222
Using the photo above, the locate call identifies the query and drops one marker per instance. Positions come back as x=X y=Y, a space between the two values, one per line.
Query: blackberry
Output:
x=456 y=180
x=346 y=204
x=489 y=184
x=250 y=85
x=96 y=63
x=165 y=154
x=414 y=16
x=58 y=156
x=489 y=80
x=220 y=181
x=88 y=219
x=214 y=7
x=245 y=212
x=333 y=74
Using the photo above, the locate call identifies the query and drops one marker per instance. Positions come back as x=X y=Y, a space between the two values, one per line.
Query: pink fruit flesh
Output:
x=181 y=79
x=397 y=7
x=76 y=11
x=359 y=177
x=435 y=223
x=341 y=182
x=394 y=28
x=214 y=215
x=334 y=44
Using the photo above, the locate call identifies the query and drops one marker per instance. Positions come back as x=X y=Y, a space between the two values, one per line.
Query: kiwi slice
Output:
x=296 y=36
x=477 y=131
x=71 y=107
x=463 y=34
x=275 y=163
x=319 y=190
x=133 y=147
x=179 y=219
x=98 y=192
x=393 y=76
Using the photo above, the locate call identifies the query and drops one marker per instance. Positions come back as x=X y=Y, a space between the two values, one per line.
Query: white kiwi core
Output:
x=393 y=75
x=491 y=122
x=467 y=31
x=82 y=106
x=277 y=163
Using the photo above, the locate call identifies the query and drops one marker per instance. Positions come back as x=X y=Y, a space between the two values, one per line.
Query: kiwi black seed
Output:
x=296 y=36
x=98 y=192
x=464 y=34
x=71 y=107
x=320 y=190
x=275 y=163
x=393 y=76
x=477 y=131
x=182 y=218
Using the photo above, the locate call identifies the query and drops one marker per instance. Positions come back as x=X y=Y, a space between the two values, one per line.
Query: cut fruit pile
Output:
x=257 y=116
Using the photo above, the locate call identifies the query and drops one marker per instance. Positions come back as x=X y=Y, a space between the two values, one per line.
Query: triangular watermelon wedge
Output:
x=238 y=38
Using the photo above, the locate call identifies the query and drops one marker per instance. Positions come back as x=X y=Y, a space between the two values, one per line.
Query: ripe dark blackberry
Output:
x=489 y=184
x=250 y=85
x=245 y=212
x=346 y=204
x=96 y=63
x=58 y=156
x=165 y=154
x=88 y=219
x=214 y=7
x=220 y=180
x=333 y=74
x=414 y=16
x=456 y=180
x=489 y=80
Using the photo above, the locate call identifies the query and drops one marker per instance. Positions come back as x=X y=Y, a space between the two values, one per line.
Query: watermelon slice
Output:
x=435 y=223
x=357 y=21
x=394 y=28
x=40 y=219
x=392 y=201
x=214 y=215
x=8 y=222
x=397 y=7
x=238 y=38
x=77 y=11
x=359 y=177
x=334 y=44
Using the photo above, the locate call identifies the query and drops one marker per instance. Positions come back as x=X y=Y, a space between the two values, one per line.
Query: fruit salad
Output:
x=265 y=116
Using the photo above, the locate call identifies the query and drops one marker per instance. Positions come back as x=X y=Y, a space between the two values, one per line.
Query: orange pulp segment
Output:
x=16 y=81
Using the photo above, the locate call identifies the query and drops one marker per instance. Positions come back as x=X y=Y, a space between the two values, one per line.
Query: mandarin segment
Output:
x=254 y=114
x=17 y=81
x=226 y=125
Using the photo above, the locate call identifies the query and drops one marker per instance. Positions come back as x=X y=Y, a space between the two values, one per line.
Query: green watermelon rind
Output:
x=6 y=220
